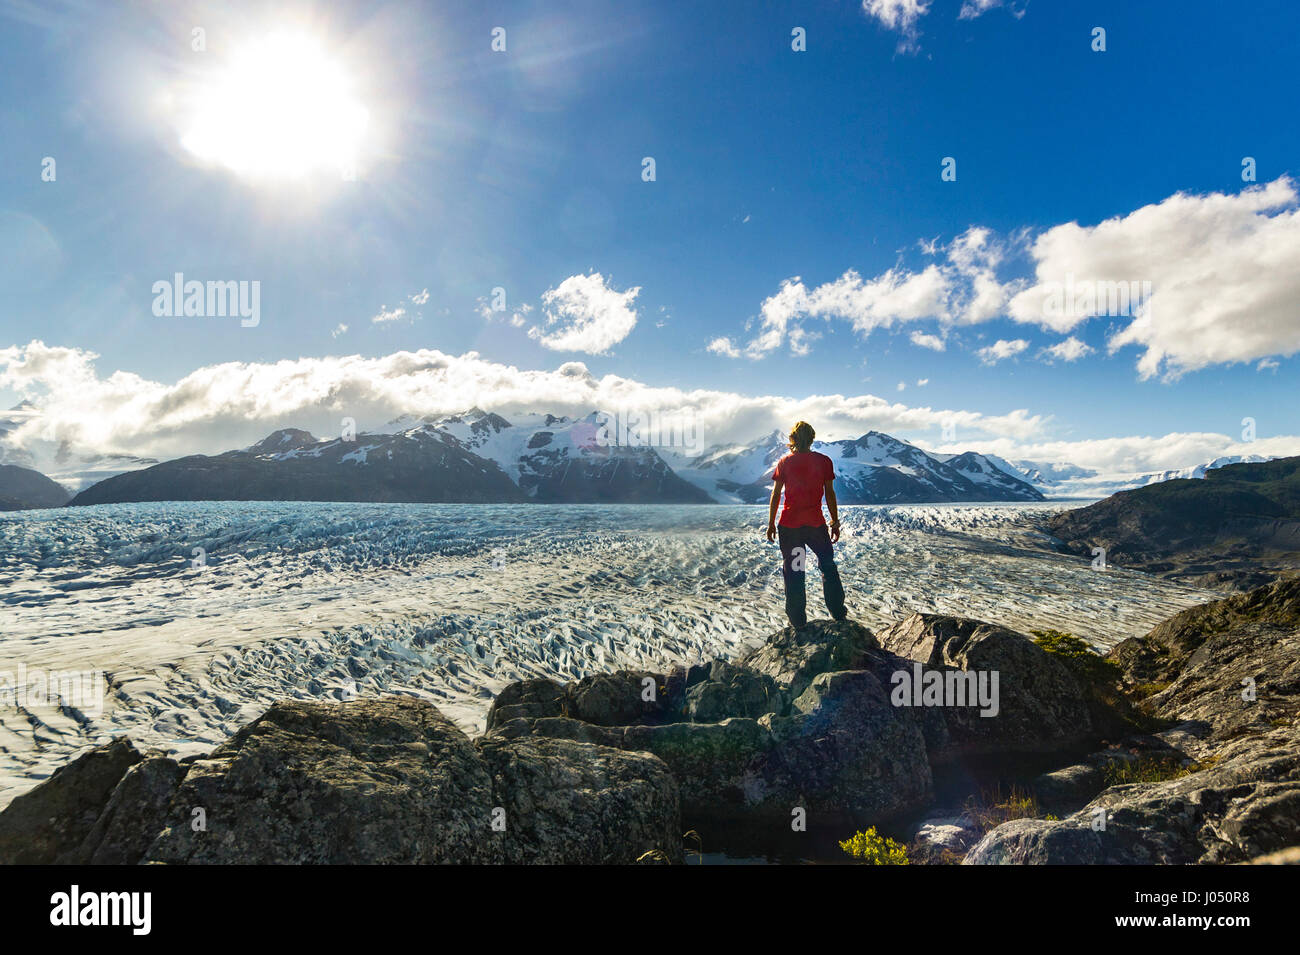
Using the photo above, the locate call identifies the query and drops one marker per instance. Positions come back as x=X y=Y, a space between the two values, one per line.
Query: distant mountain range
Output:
x=1238 y=527
x=481 y=457
x=872 y=469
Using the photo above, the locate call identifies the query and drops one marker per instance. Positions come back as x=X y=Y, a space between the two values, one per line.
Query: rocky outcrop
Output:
x=1041 y=707
x=1236 y=528
x=49 y=823
x=365 y=782
x=1227 y=681
x=809 y=719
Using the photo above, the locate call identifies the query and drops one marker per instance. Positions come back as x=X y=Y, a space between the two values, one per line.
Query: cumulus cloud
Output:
x=1214 y=278
x=963 y=288
x=217 y=407
x=339 y=329
x=388 y=315
x=1193 y=280
x=899 y=15
x=229 y=405
x=1001 y=349
x=1071 y=349
x=584 y=313
x=421 y=297
x=724 y=347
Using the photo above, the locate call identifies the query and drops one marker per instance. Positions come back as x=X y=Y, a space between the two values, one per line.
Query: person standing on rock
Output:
x=805 y=475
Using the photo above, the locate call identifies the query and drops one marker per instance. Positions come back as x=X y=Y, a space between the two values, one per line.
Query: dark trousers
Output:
x=796 y=542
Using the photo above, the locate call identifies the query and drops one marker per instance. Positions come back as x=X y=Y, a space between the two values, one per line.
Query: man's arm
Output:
x=771 y=508
x=833 y=507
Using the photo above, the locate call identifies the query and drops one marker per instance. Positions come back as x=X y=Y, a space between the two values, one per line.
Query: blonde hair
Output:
x=801 y=436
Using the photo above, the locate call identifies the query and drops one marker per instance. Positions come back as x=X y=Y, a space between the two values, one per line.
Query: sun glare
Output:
x=279 y=108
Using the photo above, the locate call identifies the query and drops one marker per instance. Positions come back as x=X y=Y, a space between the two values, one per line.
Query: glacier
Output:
x=197 y=616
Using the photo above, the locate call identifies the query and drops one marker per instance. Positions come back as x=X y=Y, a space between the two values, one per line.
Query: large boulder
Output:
x=1227 y=676
x=844 y=754
x=370 y=781
x=134 y=814
x=50 y=822
x=572 y=803
x=375 y=781
x=794 y=658
x=1041 y=707
x=1245 y=805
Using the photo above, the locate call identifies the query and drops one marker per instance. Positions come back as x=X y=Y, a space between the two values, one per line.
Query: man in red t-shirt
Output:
x=805 y=475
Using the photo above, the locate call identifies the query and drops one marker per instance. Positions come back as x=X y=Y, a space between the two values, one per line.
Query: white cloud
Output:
x=1222 y=273
x=585 y=314
x=962 y=289
x=420 y=298
x=339 y=329
x=1002 y=349
x=902 y=386
x=922 y=382
x=388 y=315
x=1071 y=349
x=1194 y=281
x=218 y=407
x=970 y=9
x=899 y=15
x=725 y=347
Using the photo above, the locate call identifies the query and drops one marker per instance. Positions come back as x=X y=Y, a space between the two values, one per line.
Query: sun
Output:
x=280 y=108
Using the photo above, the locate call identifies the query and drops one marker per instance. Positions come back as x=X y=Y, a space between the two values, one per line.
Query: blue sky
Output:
x=522 y=169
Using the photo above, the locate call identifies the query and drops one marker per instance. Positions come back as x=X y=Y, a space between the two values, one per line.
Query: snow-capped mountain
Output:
x=1198 y=471
x=475 y=457
x=873 y=469
x=1058 y=479
x=560 y=459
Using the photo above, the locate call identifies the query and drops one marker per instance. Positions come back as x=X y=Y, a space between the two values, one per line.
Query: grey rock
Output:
x=1042 y=708
x=46 y=823
x=574 y=803
x=374 y=781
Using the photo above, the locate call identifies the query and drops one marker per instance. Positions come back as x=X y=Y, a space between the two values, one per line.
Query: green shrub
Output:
x=871 y=848
x=1148 y=769
x=1079 y=656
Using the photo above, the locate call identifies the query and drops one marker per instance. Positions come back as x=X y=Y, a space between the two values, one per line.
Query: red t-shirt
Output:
x=805 y=476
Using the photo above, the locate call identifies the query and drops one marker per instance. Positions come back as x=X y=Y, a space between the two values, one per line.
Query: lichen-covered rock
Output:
x=1041 y=707
x=732 y=690
x=795 y=657
x=134 y=815
x=374 y=781
x=530 y=698
x=41 y=826
x=1231 y=675
x=572 y=803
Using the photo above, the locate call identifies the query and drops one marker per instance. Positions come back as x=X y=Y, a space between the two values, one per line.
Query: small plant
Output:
x=1148 y=769
x=1144 y=690
x=870 y=848
x=993 y=807
x=1079 y=656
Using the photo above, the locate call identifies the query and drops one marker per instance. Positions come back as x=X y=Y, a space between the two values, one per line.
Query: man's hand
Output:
x=835 y=532
x=771 y=532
